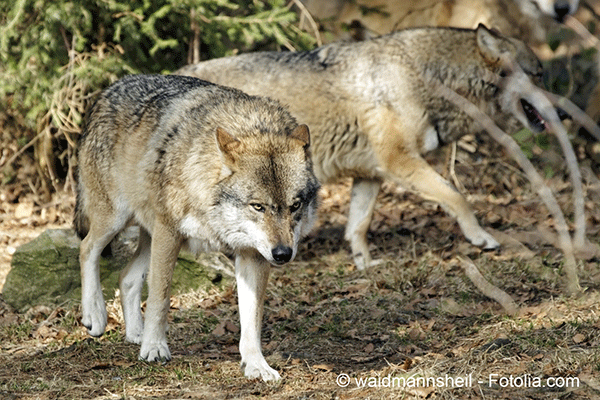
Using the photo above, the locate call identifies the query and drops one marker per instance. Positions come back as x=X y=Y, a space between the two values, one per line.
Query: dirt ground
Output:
x=414 y=326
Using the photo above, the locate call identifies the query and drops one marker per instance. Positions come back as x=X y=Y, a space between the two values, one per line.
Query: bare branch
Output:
x=311 y=21
x=575 y=112
x=523 y=88
x=536 y=180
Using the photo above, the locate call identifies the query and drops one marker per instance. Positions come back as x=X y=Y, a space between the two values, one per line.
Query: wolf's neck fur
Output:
x=459 y=67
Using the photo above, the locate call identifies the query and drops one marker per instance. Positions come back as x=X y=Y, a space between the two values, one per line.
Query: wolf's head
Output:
x=503 y=52
x=267 y=198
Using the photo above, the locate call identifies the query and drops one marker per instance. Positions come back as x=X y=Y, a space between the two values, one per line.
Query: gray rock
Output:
x=46 y=270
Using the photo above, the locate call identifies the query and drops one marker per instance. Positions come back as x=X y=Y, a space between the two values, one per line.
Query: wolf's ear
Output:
x=227 y=144
x=491 y=45
x=301 y=134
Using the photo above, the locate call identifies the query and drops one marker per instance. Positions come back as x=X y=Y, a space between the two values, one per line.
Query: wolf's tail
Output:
x=81 y=220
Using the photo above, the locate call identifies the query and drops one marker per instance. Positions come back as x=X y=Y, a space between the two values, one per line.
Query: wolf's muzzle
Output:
x=282 y=254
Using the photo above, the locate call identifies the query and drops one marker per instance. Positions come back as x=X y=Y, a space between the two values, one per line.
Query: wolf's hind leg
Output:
x=421 y=177
x=362 y=203
x=252 y=275
x=93 y=309
x=131 y=283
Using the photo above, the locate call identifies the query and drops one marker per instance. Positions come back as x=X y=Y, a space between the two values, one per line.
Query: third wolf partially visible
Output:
x=528 y=20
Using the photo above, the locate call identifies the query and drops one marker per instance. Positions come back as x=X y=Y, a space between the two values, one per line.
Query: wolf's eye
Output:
x=297 y=204
x=258 y=207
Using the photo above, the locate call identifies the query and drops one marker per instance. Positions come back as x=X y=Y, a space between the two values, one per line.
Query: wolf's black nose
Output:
x=282 y=254
x=562 y=9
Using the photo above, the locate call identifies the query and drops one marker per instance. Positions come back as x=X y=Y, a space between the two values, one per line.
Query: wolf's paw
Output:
x=260 y=369
x=93 y=315
x=363 y=263
x=155 y=352
x=484 y=240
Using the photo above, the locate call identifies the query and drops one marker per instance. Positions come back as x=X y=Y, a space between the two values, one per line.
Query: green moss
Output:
x=46 y=271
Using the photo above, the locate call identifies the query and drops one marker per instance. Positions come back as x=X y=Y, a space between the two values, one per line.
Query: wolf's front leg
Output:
x=93 y=309
x=164 y=250
x=252 y=275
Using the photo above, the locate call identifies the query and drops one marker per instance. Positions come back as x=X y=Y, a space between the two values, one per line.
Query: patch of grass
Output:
x=15 y=333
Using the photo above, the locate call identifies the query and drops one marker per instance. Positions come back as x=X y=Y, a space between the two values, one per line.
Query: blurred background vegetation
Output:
x=56 y=56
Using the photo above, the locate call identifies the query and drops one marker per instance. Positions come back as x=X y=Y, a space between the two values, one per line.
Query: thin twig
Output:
x=310 y=19
x=455 y=179
x=22 y=149
x=575 y=112
x=589 y=39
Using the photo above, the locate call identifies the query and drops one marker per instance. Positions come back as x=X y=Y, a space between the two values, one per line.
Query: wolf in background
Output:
x=527 y=20
x=198 y=164
x=373 y=110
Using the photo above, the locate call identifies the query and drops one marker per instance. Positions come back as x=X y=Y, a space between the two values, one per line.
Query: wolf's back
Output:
x=269 y=63
x=124 y=103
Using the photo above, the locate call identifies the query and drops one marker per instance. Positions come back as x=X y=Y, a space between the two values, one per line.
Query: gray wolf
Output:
x=373 y=112
x=191 y=163
x=528 y=20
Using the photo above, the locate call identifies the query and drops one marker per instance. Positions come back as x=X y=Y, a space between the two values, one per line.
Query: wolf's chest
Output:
x=199 y=237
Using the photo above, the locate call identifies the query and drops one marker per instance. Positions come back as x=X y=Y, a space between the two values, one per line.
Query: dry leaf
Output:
x=43 y=332
x=231 y=327
x=578 y=338
x=407 y=364
x=416 y=333
x=208 y=303
x=590 y=379
x=419 y=392
x=323 y=367
x=233 y=349
x=219 y=330
x=224 y=327
x=450 y=306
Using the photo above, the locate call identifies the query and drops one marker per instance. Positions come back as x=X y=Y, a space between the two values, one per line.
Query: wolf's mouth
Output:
x=533 y=116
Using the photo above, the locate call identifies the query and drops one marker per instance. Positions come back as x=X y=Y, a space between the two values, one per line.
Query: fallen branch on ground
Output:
x=487 y=288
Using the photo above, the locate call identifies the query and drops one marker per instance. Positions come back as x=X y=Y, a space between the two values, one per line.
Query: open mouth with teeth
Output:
x=536 y=121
